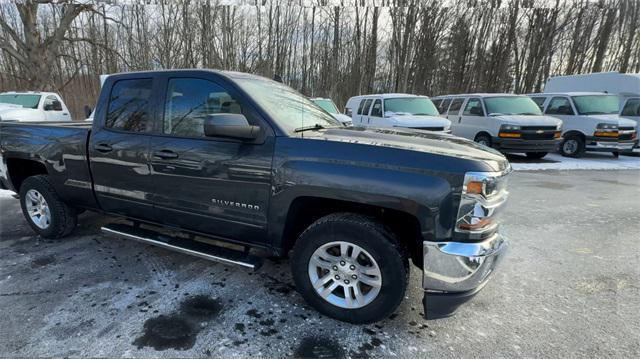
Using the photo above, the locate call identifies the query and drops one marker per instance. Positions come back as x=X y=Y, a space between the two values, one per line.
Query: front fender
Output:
x=428 y=198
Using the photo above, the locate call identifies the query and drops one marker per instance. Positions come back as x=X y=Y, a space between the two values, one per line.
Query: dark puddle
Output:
x=43 y=261
x=167 y=332
x=179 y=330
x=318 y=348
x=201 y=306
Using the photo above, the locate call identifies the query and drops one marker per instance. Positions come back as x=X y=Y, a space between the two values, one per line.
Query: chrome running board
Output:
x=186 y=246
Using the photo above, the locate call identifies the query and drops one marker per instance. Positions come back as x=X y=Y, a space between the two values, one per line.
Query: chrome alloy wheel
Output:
x=38 y=209
x=570 y=146
x=345 y=275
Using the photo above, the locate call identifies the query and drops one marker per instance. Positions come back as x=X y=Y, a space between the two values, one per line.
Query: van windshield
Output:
x=26 y=101
x=410 y=106
x=326 y=105
x=286 y=106
x=596 y=104
x=511 y=105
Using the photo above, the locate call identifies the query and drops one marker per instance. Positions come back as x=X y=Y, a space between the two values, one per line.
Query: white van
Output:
x=328 y=105
x=509 y=123
x=623 y=85
x=33 y=106
x=396 y=110
x=590 y=122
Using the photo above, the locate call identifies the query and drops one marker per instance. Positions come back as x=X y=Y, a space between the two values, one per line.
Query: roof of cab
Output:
x=229 y=74
x=388 y=95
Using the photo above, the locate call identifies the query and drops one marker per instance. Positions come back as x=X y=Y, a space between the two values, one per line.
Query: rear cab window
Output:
x=365 y=108
x=129 y=107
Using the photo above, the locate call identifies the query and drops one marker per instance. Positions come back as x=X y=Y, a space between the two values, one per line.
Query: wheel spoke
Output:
x=356 y=252
x=322 y=281
x=358 y=295
x=370 y=271
x=320 y=262
x=344 y=249
x=371 y=281
x=347 y=296
x=328 y=290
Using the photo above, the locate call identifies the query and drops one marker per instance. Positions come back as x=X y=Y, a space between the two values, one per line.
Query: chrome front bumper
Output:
x=455 y=271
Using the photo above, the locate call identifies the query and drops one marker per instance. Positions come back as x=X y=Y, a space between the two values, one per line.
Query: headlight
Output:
x=509 y=131
x=483 y=194
x=606 y=130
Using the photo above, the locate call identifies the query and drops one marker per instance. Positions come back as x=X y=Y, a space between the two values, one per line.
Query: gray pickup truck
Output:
x=239 y=165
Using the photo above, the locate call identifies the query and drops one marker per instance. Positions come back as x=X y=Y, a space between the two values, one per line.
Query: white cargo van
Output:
x=328 y=105
x=509 y=123
x=396 y=110
x=33 y=106
x=590 y=122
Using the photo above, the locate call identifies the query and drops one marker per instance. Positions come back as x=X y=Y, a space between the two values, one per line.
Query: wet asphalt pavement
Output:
x=570 y=287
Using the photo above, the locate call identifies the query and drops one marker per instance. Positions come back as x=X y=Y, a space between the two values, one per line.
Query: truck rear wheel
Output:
x=47 y=215
x=350 y=268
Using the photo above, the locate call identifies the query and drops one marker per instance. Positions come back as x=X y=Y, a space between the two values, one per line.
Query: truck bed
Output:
x=61 y=147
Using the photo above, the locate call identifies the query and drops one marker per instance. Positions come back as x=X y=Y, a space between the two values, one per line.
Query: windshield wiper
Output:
x=528 y=114
x=596 y=113
x=315 y=127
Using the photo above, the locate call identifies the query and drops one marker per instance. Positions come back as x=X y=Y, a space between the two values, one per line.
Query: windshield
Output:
x=512 y=105
x=326 y=105
x=410 y=106
x=26 y=101
x=596 y=104
x=287 y=107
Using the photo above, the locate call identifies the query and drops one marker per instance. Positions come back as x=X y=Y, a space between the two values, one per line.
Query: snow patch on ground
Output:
x=590 y=161
x=6 y=194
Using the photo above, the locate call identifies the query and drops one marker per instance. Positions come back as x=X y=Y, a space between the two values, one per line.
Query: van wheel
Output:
x=615 y=154
x=349 y=267
x=47 y=215
x=483 y=140
x=572 y=146
x=536 y=155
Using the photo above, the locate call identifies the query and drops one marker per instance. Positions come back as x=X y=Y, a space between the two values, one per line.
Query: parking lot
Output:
x=568 y=288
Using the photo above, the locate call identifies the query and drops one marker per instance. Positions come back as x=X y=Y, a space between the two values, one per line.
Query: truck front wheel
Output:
x=349 y=267
x=47 y=215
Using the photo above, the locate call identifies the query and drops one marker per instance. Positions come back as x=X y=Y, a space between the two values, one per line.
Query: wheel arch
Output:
x=19 y=169
x=305 y=210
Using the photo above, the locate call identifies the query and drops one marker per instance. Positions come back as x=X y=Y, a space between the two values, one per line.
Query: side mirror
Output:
x=476 y=111
x=48 y=107
x=87 y=111
x=231 y=125
x=57 y=105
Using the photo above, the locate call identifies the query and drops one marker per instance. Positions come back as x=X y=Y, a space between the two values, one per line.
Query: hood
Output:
x=10 y=112
x=420 y=141
x=4 y=106
x=413 y=121
x=523 y=120
x=613 y=119
x=342 y=118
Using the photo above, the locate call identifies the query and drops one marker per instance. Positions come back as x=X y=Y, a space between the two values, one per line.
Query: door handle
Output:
x=459 y=119
x=103 y=147
x=165 y=154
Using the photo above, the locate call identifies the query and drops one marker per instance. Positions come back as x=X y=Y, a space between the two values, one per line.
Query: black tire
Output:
x=536 y=155
x=371 y=236
x=615 y=154
x=63 y=217
x=483 y=139
x=575 y=150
